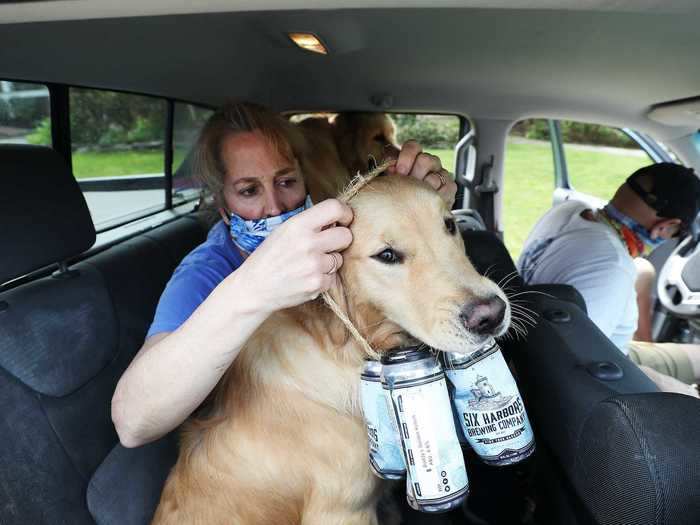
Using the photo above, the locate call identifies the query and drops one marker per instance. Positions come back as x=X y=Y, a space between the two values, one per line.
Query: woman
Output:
x=226 y=287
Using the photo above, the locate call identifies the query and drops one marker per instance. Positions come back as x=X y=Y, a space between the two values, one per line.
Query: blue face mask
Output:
x=249 y=234
x=639 y=230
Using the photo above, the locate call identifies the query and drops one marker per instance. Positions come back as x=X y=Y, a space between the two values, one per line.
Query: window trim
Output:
x=165 y=181
x=561 y=173
x=168 y=153
x=59 y=113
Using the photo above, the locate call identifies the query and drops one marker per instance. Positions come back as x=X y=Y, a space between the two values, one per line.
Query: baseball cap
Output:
x=674 y=191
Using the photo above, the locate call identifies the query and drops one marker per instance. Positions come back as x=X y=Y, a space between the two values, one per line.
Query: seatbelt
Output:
x=486 y=189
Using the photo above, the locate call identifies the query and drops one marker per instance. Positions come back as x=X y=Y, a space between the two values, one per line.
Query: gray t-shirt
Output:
x=565 y=248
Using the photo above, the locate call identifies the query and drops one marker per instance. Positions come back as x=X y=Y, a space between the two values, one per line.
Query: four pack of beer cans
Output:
x=421 y=407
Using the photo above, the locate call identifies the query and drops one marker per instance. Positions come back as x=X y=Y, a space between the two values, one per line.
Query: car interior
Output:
x=78 y=291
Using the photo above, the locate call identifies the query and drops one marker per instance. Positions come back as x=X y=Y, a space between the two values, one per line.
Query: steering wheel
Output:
x=678 y=286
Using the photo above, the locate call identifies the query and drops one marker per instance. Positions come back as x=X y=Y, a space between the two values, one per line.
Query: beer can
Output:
x=489 y=406
x=385 y=454
x=436 y=476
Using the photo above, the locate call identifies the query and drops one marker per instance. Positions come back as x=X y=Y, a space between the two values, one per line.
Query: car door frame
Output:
x=563 y=190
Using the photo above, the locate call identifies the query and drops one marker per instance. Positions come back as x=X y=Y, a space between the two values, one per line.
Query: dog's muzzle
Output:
x=483 y=316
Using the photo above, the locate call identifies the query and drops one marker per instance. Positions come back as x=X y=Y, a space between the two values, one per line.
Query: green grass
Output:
x=114 y=164
x=527 y=195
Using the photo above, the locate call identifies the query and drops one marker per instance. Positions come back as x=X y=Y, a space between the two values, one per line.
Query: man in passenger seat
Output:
x=594 y=251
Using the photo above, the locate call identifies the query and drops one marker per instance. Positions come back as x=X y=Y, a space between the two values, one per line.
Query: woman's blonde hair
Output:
x=240 y=117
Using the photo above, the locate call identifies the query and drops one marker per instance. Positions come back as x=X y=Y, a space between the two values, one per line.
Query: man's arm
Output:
x=646 y=275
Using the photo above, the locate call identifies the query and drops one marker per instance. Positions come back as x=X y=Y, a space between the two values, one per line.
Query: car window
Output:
x=528 y=181
x=438 y=134
x=599 y=158
x=188 y=120
x=25 y=113
x=118 y=153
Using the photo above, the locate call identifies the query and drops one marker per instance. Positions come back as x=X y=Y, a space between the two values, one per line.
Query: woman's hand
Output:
x=413 y=161
x=300 y=259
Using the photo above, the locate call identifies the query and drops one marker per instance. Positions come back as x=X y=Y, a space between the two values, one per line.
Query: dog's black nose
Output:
x=482 y=316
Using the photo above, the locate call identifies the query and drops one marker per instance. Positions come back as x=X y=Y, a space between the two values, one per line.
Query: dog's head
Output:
x=406 y=275
x=359 y=135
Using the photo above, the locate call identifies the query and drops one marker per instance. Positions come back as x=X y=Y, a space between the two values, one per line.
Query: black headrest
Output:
x=42 y=210
x=638 y=460
x=490 y=257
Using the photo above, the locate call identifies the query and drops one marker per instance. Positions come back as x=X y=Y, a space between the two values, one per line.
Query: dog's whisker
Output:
x=515 y=309
x=509 y=274
x=525 y=292
x=524 y=310
x=522 y=329
x=506 y=279
x=526 y=321
x=486 y=273
x=521 y=307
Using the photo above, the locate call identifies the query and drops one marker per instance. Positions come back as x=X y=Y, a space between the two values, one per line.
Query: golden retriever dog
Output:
x=337 y=148
x=283 y=441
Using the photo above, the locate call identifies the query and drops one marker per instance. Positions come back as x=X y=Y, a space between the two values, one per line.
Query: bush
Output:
x=23 y=112
x=105 y=118
x=574 y=133
x=431 y=131
x=582 y=133
x=536 y=129
x=41 y=134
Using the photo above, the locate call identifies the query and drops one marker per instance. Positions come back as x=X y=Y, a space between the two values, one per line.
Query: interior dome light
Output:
x=309 y=42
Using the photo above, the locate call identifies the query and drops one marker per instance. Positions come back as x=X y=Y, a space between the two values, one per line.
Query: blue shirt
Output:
x=194 y=279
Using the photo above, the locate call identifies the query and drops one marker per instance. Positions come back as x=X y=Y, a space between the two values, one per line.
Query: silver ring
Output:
x=335 y=265
x=443 y=181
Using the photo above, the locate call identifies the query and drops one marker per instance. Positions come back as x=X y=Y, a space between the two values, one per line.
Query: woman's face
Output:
x=259 y=182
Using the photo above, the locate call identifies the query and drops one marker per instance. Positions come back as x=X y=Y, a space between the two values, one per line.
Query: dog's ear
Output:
x=346 y=133
x=390 y=129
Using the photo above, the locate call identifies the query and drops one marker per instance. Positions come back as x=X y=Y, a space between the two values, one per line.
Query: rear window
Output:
x=437 y=134
x=25 y=113
x=118 y=153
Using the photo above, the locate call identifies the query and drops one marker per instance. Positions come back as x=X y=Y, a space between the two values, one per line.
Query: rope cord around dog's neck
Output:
x=353 y=188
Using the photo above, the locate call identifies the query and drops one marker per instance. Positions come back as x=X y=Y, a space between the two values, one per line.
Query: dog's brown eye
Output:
x=389 y=256
x=451 y=226
x=380 y=138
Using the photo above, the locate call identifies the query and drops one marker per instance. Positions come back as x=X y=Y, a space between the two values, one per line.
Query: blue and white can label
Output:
x=385 y=454
x=433 y=456
x=490 y=409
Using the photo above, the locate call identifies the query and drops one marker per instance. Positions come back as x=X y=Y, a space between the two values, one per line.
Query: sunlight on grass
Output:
x=118 y=163
x=529 y=183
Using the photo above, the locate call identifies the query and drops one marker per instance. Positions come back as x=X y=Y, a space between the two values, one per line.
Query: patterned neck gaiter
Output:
x=632 y=234
x=249 y=234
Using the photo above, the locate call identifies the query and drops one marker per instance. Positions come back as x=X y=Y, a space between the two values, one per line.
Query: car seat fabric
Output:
x=126 y=487
x=48 y=318
x=490 y=257
x=638 y=457
x=629 y=452
x=44 y=215
x=65 y=340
